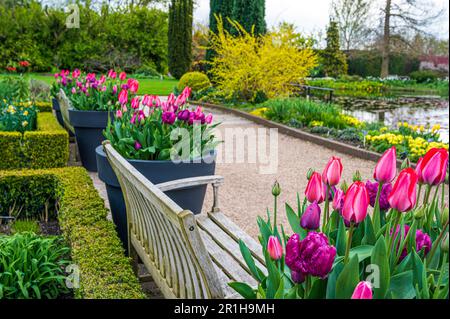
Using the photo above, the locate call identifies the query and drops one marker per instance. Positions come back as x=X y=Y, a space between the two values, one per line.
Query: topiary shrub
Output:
x=197 y=81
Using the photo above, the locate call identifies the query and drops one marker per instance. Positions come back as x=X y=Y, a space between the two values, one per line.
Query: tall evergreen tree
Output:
x=180 y=36
x=250 y=13
x=334 y=60
x=224 y=10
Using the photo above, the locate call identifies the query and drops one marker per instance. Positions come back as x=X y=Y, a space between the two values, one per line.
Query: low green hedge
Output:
x=105 y=273
x=47 y=147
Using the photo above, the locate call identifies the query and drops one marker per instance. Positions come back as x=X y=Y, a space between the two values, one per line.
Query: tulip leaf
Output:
x=380 y=259
x=255 y=271
x=294 y=222
x=348 y=279
x=363 y=252
x=332 y=277
x=243 y=289
x=318 y=289
x=369 y=232
x=341 y=241
x=401 y=286
x=273 y=277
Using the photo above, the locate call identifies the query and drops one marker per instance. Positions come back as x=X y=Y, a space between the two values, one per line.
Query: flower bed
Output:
x=337 y=250
x=95 y=248
x=45 y=147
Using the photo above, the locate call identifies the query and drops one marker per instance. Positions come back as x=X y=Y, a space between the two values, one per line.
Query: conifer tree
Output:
x=334 y=60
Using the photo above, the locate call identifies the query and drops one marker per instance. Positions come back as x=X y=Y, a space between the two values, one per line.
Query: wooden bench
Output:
x=65 y=105
x=188 y=256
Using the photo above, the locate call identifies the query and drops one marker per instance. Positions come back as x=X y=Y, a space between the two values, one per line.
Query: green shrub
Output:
x=424 y=76
x=47 y=147
x=147 y=71
x=14 y=88
x=197 y=81
x=105 y=273
x=25 y=226
x=32 y=267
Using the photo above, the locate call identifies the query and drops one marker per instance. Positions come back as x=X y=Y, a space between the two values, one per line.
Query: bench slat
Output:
x=226 y=242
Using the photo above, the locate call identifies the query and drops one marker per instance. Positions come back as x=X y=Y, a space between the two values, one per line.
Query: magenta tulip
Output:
x=314 y=190
x=119 y=114
x=135 y=102
x=432 y=168
x=123 y=97
x=386 y=168
x=274 y=248
x=122 y=76
x=423 y=241
x=403 y=195
x=311 y=217
x=137 y=146
x=209 y=119
x=356 y=203
x=363 y=291
x=333 y=171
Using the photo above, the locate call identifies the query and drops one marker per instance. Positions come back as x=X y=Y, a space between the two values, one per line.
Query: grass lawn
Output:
x=147 y=86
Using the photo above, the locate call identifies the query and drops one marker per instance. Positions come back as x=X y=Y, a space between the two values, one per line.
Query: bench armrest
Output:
x=214 y=180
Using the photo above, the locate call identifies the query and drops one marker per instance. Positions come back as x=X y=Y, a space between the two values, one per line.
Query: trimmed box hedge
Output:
x=105 y=272
x=47 y=147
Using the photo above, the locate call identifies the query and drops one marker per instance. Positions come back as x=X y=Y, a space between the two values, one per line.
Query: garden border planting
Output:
x=47 y=147
x=105 y=272
x=297 y=133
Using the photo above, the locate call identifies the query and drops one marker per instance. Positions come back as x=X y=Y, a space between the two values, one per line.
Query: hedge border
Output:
x=47 y=147
x=105 y=272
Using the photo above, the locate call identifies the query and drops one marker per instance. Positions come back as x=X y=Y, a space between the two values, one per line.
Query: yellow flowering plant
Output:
x=17 y=117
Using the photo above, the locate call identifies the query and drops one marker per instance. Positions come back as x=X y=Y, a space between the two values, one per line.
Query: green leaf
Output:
x=401 y=286
x=348 y=279
x=363 y=252
x=369 y=232
x=318 y=289
x=243 y=289
x=332 y=278
x=273 y=278
x=341 y=240
x=255 y=271
x=380 y=259
x=294 y=221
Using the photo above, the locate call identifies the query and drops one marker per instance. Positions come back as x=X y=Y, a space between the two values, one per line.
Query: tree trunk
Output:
x=386 y=40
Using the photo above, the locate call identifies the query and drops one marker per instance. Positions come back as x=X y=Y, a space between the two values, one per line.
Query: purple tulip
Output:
x=310 y=256
x=184 y=115
x=168 y=118
x=137 y=146
x=423 y=241
x=297 y=277
x=372 y=189
x=311 y=218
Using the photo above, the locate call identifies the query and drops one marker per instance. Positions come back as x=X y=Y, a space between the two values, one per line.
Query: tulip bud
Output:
x=276 y=189
x=356 y=202
x=311 y=218
x=444 y=244
x=274 y=248
x=403 y=196
x=357 y=176
x=444 y=215
x=309 y=173
x=406 y=163
x=386 y=168
x=363 y=291
x=314 y=189
x=333 y=171
x=344 y=186
x=419 y=213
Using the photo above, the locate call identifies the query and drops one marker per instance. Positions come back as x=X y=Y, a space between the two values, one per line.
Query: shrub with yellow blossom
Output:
x=17 y=117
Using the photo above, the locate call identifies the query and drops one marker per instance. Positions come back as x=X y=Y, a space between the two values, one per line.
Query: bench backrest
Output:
x=165 y=236
x=64 y=105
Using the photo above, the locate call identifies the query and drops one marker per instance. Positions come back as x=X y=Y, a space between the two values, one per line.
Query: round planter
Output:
x=157 y=172
x=89 y=127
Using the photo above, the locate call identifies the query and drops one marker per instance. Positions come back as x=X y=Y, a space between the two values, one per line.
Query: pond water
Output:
x=416 y=110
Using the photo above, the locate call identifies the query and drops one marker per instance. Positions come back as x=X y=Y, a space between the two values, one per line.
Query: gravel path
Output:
x=246 y=192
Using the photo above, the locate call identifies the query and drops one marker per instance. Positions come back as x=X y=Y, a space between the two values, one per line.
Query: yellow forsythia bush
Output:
x=246 y=65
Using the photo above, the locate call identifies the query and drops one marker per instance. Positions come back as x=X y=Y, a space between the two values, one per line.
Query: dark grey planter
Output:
x=57 y=110
x=89 y=127
x=157 y=172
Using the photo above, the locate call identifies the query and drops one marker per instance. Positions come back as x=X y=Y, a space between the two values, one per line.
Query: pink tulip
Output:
x=356 y=203
x=314 y=190
x=119 y=114
x=333 y=171
x=274 y=248
x=432 y=168
x=114 y=89
x=122 y=76
x=123 y=97
x=403 y=195
x=146 y=100
x=157 y=101
x=74 y=90
x=133 y=85
x=76 y=73
x=187 y=92
x=135 y=103
x=209 y=119
x=338 y=200
x=133 y=118
x=363 y=291
x=386 y=168
x=112 y=74
x=171 y=98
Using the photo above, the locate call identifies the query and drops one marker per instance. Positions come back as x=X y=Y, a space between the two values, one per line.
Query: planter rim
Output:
x=90 y=119
x=212 y=154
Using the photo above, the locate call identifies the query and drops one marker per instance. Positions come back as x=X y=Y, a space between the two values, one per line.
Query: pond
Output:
x=416 y=110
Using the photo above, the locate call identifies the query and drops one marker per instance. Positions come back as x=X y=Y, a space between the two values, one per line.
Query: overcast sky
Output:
x=311 y=16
